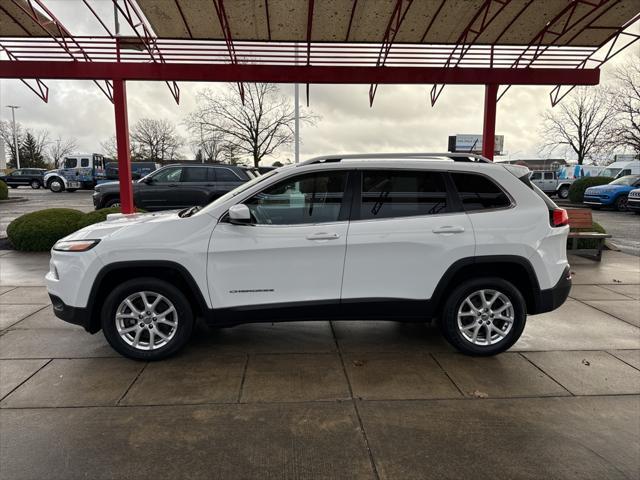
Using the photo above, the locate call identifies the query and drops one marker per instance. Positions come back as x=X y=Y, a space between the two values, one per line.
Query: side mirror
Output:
x=148 y=180
x=240 y=214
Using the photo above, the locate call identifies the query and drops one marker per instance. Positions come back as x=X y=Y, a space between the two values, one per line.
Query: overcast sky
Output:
x=401 y=118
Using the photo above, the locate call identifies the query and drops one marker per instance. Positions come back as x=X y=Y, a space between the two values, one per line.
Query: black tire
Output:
x=595 y=207
x=35 y=184
x=112 y=202
x=13 y=186
x=449 y=318
x=185 y=320
x=621 y=203
x=56 y=185
x=563 y=192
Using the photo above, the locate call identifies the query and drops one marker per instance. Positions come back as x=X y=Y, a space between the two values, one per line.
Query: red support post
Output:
x=122 y=140
x=489 y=125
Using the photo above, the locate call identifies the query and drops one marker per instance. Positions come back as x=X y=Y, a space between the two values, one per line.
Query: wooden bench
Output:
x=581 y=218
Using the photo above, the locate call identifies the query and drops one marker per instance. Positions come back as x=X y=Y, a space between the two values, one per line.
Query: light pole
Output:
x=297 y=115
x=15 y=134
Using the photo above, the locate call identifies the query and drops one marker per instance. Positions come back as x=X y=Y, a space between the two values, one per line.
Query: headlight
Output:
x=75 y=245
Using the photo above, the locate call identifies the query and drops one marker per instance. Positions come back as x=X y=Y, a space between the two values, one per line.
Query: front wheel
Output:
x=35 y=184
x=147 y=319
x=114 y=202
x=621 y=203
x=56 y=185
x=484 y=316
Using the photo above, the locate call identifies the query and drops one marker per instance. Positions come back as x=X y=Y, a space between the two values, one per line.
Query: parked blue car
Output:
x=614 y=194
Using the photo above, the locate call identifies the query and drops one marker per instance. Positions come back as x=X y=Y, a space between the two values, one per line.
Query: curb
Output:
x=14 y=200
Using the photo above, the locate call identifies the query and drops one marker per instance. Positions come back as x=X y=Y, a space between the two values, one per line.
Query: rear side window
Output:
x=393 y=193
x=478 y=192
x=194 y=174
x=84 y=162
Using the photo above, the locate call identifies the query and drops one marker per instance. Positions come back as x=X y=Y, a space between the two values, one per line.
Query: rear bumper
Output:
x=552 y=298
x=76 y=315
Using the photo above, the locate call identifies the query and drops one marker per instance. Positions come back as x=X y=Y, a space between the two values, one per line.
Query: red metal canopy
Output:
x=483 y=42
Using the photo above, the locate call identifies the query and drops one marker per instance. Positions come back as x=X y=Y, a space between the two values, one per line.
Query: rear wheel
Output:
x=56 y=185
x=147 y=319
x=621 y=203
x=35 y=184
x=563 y=192
x=484 y=316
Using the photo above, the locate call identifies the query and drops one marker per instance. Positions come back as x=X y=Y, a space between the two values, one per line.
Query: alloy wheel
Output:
x=485 y=317
x=146 y=320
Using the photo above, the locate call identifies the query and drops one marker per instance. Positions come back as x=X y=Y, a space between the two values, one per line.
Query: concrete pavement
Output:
x=325 y=399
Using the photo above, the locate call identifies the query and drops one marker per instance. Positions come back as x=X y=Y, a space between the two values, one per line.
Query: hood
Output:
x=117 y=221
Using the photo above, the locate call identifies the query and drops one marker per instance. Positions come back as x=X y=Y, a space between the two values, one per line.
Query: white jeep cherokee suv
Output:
x=405 y=237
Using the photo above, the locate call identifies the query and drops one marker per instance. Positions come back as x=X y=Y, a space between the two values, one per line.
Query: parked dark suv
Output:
x=176 y=186
x=32 y=177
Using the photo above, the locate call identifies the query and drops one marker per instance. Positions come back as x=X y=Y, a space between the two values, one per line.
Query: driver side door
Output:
x=291 y=255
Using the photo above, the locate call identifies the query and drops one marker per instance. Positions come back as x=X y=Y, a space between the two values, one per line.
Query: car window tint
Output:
x=309 y=198
x=70 y=162
x=195 y=174
x=389 y=193
x=226 y=175
x=548 y=176
x=478 y=192
x=168 y=175
x=536 y=176
x=84 y=162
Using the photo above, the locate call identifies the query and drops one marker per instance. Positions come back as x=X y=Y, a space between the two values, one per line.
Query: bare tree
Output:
x=60 y=148
x=582 y=123
x=257 y=128
x=625 y=97
x=207 y=147
x=110 y=147
x=6 y=133
x=155 y=140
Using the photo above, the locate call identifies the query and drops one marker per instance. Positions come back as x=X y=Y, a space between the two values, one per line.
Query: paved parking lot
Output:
x=325 y=399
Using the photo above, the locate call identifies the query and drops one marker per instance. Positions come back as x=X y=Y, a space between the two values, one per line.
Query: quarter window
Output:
x=477 y=192
x=226 y=175
x=84 y=162
x=389 y=193
x=309 y=198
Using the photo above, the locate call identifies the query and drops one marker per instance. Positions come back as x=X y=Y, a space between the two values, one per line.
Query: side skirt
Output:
x=351 y=309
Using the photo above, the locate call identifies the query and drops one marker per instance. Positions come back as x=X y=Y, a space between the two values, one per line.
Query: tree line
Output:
x=592 y=121
x=36 y=147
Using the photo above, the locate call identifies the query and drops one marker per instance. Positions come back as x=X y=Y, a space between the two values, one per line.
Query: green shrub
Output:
x=38 y=231
x=576 y=191
x=586 y=242
x=4 y=191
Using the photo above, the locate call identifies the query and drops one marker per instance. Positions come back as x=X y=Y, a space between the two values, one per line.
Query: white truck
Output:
x=550 y=183
x=621 y=169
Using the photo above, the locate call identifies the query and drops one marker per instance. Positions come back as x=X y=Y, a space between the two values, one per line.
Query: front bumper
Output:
x=552 y=298
x=597 y=200
x=633 y=205
x=76 y=315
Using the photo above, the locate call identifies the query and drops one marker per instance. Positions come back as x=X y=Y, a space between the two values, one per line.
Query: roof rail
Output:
x=456 y=157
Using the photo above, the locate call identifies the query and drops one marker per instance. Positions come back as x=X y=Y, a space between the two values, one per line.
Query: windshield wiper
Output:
x=189 y=211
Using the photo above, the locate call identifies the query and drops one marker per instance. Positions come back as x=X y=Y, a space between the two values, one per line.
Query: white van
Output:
x=620 y=169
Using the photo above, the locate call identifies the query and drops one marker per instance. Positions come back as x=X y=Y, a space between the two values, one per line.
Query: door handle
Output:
x=448 y=229
x=323 y=236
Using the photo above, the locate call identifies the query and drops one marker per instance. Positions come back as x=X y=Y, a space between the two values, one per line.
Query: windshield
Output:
x=628 y=180
x=610 y=172
x=240 y=189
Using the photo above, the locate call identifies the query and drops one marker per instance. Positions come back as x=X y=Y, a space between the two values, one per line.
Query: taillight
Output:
x=559 y=217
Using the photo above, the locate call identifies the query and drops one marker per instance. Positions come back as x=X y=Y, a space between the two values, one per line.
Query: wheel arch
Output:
x=113 y=274
x=515 y=269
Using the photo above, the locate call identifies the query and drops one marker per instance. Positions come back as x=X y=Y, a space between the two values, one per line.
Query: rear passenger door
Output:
x=194 y=186
x=226 y=180
x=406 y=231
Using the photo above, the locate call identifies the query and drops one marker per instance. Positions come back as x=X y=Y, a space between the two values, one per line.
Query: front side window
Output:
x=70 y=162
x=309 y=198
x=195 y=174
x=536 y=176
x=394 y=193
x=84 y=162
x=548 y=176
x=168 y=175
x=478 y=192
